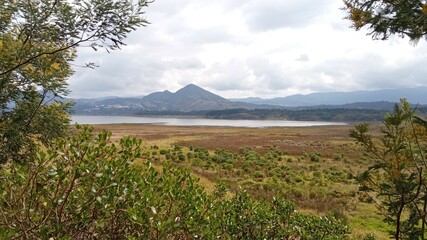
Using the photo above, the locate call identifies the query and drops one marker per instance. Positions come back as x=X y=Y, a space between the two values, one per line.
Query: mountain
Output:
x=187 y=99
x=414 y=95
x=190 y=98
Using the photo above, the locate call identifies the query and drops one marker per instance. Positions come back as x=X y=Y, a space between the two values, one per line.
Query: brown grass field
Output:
x=326 y=140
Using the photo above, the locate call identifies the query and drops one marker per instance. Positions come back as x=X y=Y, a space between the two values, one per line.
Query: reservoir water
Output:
x=83 y=119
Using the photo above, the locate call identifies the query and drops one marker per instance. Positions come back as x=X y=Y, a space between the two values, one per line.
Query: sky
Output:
x=251 y=48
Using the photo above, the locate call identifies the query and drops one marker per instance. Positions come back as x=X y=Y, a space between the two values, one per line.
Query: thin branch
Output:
x=48 y=53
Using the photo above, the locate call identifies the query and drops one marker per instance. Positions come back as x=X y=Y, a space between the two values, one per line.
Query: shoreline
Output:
x=197 y=122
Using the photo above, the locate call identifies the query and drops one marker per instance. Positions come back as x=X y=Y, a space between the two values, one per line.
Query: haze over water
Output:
x=83 y=119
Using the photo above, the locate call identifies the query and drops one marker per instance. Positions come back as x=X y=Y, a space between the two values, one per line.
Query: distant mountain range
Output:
x=414 y=95
x=190 y=98
x=194 y=99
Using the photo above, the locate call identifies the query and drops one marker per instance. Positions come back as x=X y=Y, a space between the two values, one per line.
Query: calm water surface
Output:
x=196 y=121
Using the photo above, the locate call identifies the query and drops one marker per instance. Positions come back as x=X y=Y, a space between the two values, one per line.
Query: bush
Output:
x=84 y=187
x=338 y=156
x=314 y=157
x=258 y=174
x=181 y=157
x=223 y=156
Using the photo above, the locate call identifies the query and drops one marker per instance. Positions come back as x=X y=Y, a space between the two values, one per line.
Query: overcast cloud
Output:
x=262 y=48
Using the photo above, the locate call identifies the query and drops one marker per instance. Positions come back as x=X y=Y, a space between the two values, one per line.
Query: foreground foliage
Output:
x=389 y=17
x=85 y=187
x=397 y=182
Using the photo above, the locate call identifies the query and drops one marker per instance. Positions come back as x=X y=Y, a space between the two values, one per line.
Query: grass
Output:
x=365 y=219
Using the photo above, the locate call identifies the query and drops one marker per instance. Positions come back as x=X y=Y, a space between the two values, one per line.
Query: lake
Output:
x=83 y=119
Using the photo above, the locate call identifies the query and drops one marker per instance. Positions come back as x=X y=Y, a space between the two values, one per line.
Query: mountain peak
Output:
x=190 y=87
x=192 y=90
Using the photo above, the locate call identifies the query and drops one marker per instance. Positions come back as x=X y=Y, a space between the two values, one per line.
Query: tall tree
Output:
x=388 y=17
x=38 y=41
x=397 y=181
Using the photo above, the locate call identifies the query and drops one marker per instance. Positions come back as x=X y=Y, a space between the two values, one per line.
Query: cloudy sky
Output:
x=263 y=48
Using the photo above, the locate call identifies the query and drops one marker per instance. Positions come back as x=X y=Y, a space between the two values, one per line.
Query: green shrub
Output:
x=314 y=157
x=177 y=148
x=338 y=157
x=317 y=174
x=84 y=187
x=223 y=156
x=181 y=157
x=259 y=174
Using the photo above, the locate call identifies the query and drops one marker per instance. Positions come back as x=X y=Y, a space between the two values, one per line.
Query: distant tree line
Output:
x=319 y=114
x=336 y=115
x=174 y=113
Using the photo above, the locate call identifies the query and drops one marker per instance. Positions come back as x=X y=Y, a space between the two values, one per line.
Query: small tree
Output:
x=397 y=181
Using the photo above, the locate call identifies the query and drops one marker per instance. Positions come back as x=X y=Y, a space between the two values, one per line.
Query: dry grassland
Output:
x=326 y=140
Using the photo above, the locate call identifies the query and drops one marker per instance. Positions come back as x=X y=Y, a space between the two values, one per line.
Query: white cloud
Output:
x=275 y=14
x=303 y=58
x=265 y=48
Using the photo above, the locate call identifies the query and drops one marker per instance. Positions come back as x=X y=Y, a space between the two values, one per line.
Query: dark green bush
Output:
x=223 y=156
x=314 y=157
x=259 y=174
x=181 y=157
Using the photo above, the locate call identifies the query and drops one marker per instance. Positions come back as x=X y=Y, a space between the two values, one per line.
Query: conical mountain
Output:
x=188 y=98
x=193 y=92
